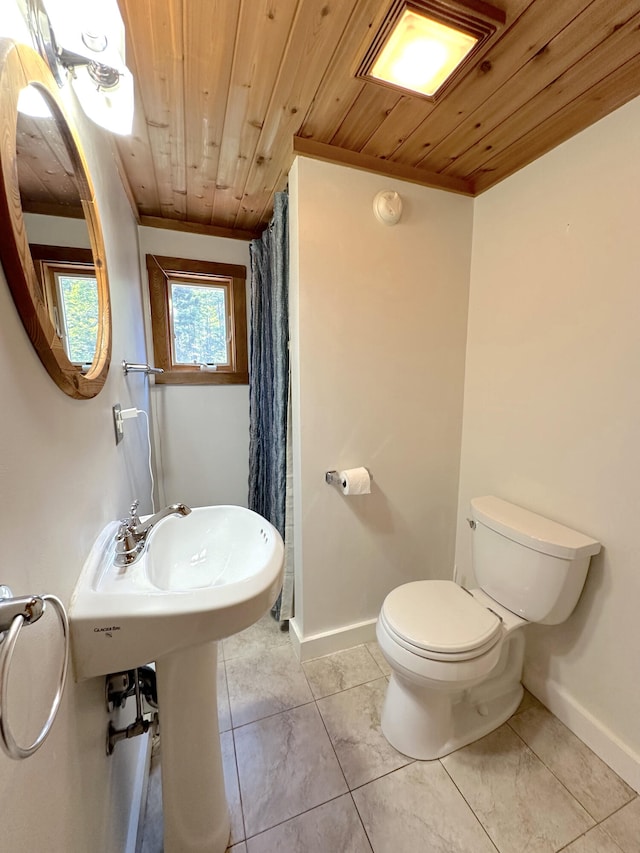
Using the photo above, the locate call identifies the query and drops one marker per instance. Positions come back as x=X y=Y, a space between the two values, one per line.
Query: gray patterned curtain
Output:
x=269 y=371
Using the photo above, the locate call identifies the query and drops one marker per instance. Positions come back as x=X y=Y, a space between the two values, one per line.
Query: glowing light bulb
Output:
x=419 y=62
x=421 y=53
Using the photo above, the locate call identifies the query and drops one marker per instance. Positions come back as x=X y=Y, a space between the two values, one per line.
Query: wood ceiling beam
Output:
x=45 y=208
x=197 y=228
x=345 y=157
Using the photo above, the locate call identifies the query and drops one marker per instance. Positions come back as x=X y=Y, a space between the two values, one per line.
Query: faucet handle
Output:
x=127 y=547
x=134 y=519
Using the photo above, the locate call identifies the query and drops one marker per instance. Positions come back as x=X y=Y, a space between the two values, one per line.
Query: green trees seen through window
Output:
x=199 y=324
x=79 y=296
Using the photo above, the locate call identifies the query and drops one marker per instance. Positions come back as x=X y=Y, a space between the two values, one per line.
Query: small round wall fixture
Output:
x=387 y=207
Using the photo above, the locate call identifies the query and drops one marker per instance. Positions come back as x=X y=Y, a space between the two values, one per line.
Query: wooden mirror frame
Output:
x=21 y=66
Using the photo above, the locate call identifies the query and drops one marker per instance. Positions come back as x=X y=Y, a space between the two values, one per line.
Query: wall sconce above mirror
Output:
x=43 y=171
x=86 y=40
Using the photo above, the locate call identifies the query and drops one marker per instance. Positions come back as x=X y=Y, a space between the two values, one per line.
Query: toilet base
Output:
x=425 y=720
x=428 y=724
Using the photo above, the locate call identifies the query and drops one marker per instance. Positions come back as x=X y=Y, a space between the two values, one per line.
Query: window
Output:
x=199 y=322
x=70 y=291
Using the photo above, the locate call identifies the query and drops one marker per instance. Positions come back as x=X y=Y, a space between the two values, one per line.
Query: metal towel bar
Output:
x=129 y=367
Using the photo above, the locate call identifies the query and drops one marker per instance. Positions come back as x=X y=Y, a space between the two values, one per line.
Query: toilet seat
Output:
x=429 y=654
x=439 y=620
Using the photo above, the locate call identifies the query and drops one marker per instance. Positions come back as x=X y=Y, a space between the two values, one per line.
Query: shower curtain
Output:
x=269 y=384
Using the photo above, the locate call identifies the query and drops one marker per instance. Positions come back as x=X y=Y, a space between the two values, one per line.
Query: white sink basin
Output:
x=202 y=577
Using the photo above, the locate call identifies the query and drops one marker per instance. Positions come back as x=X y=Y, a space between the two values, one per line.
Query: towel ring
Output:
x=7 y=741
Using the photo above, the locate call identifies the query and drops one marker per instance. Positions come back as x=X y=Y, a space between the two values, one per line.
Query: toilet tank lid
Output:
x=532 y=530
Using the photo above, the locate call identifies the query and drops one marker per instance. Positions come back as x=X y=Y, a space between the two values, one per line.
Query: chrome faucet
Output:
x=133 y=534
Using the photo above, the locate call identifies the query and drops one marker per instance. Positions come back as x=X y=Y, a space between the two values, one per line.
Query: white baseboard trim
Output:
x=139 y=794
x=598 y=737
x=327 y=642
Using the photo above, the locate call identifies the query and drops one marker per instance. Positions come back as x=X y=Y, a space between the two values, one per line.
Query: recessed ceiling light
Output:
x=421 y=53
x=421 y=44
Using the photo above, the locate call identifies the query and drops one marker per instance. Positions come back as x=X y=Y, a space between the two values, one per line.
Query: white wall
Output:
x=552 y=405
x=202 y=439
x=378 y=323
x=61 y=480
x=57 y=231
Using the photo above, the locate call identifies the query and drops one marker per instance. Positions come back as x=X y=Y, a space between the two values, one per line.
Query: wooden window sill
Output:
x=201 y=377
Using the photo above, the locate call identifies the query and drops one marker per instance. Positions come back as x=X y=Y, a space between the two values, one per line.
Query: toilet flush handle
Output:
x=471 y=523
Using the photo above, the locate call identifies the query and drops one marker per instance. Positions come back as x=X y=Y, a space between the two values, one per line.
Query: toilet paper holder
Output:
x=332 y=478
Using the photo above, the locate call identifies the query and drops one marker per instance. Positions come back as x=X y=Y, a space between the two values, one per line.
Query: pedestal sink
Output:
x=201 y=578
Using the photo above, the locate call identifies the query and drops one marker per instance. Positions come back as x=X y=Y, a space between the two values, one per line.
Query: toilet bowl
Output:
x=433 y=704
x=456 y=655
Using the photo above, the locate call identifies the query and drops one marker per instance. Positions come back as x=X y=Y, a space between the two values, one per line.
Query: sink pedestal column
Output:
x=194 y=803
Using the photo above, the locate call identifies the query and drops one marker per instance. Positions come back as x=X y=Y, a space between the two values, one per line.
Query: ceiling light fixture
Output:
x=87 y=39
x=422 y=45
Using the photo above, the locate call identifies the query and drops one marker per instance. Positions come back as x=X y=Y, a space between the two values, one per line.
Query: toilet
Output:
x=456 y=655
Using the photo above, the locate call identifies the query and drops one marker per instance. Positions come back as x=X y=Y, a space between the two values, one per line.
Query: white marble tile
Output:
x=379 y=658
x=238 y=848
x=418 y=808
x=352 y=719
x=286 y=765
x=528 y=701
x=339 y=671
x=334 y=826
x=595 y=841
x=264 y=634
x=224 y=711
x=587 y=777
x=265 y=683
x=232 y=787
x=519 y=802
x=624 y=827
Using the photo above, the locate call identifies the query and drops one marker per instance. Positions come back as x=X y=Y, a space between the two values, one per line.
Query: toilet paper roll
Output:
x=355 y=481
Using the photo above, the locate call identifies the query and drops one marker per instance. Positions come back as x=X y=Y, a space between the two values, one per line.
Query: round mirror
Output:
x=62 y=295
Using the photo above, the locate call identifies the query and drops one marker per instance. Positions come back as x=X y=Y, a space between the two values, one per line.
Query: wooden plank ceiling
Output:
x=228 y=90
x=45 y=171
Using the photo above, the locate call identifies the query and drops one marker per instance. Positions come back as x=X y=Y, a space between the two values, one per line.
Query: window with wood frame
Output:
x=69 y=286
x=198 y=321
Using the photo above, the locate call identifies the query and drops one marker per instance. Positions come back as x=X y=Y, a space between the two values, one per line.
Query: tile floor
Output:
x=308 y=771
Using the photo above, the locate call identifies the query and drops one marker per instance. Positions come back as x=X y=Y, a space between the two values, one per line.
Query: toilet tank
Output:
x=531 y=565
